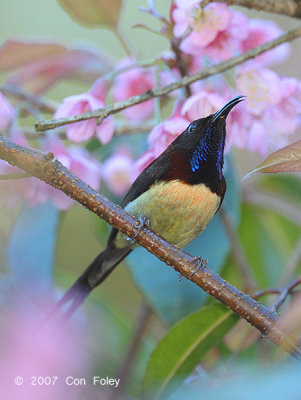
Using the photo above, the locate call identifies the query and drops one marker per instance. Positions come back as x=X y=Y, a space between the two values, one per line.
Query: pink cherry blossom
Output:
x=274 y=116
x=165 y=133
x=6 y=112
x=143 y=161
x=226 y=43
x=257 y=138
x=202 y=104
x=117 y=173
x=260 y=32
x=181 y=15
x=133 y=82
x=238 y=124
x=187 y=3
x=262 y=88
x=205 y=24
x=99 y=89
x=284 y=116
x=85 y=130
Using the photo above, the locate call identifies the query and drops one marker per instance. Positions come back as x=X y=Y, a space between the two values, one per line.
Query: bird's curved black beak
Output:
x=223 y=112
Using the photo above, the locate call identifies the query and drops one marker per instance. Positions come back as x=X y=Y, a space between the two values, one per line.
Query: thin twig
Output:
x=154 y=12
x=264 y=292
x=36 y=101
x=51 y=171
x=102 y=113
x=238 y=253
x=120 y=130
x=283 y=292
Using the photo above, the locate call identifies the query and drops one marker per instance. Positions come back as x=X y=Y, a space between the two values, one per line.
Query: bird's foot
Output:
x=200 y=264
x=143 y=221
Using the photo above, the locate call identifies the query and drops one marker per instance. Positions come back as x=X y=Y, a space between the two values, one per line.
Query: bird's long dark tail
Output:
x=94 y=275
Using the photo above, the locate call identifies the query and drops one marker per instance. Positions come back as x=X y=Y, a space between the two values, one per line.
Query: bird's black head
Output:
x=202 y=145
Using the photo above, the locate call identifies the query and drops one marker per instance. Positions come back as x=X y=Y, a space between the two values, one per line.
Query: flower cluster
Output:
x=215 y=30
x=215 y=33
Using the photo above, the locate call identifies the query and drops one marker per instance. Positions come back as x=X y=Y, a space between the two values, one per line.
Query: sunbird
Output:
x=176 y=195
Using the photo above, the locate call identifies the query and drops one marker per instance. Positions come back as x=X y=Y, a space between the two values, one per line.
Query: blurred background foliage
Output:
x=264 y=210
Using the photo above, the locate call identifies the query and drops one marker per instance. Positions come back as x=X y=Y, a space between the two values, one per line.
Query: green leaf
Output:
x=182 y=348
x=93 y=12
x=283 y=185
x=268 y=240
x=287 y=159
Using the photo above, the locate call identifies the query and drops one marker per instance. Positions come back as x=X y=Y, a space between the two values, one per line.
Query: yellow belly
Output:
x=177 y=211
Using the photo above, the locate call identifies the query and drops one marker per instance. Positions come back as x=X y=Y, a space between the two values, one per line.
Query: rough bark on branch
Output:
x=50 y=170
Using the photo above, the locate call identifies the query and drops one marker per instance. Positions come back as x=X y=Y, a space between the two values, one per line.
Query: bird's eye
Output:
x=191 y=128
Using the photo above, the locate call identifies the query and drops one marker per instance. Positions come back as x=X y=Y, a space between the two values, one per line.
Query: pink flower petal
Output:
x=105 y=130
x=257 y=138
x=132 y=83
x=6 y=112
x=81 y=131
x=74 y=105
x=262 y=88
x=117 y=173
x=201 y=105
x=260 y=32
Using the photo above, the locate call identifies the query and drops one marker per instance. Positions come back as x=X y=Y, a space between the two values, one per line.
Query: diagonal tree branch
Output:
x=50 y=170
x=187 y=80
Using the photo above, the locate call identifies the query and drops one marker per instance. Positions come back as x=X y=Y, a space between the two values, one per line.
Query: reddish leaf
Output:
x=41 y=75
x=287 y=159
x=93 y=12
x=15 y=54
x=40 y=65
